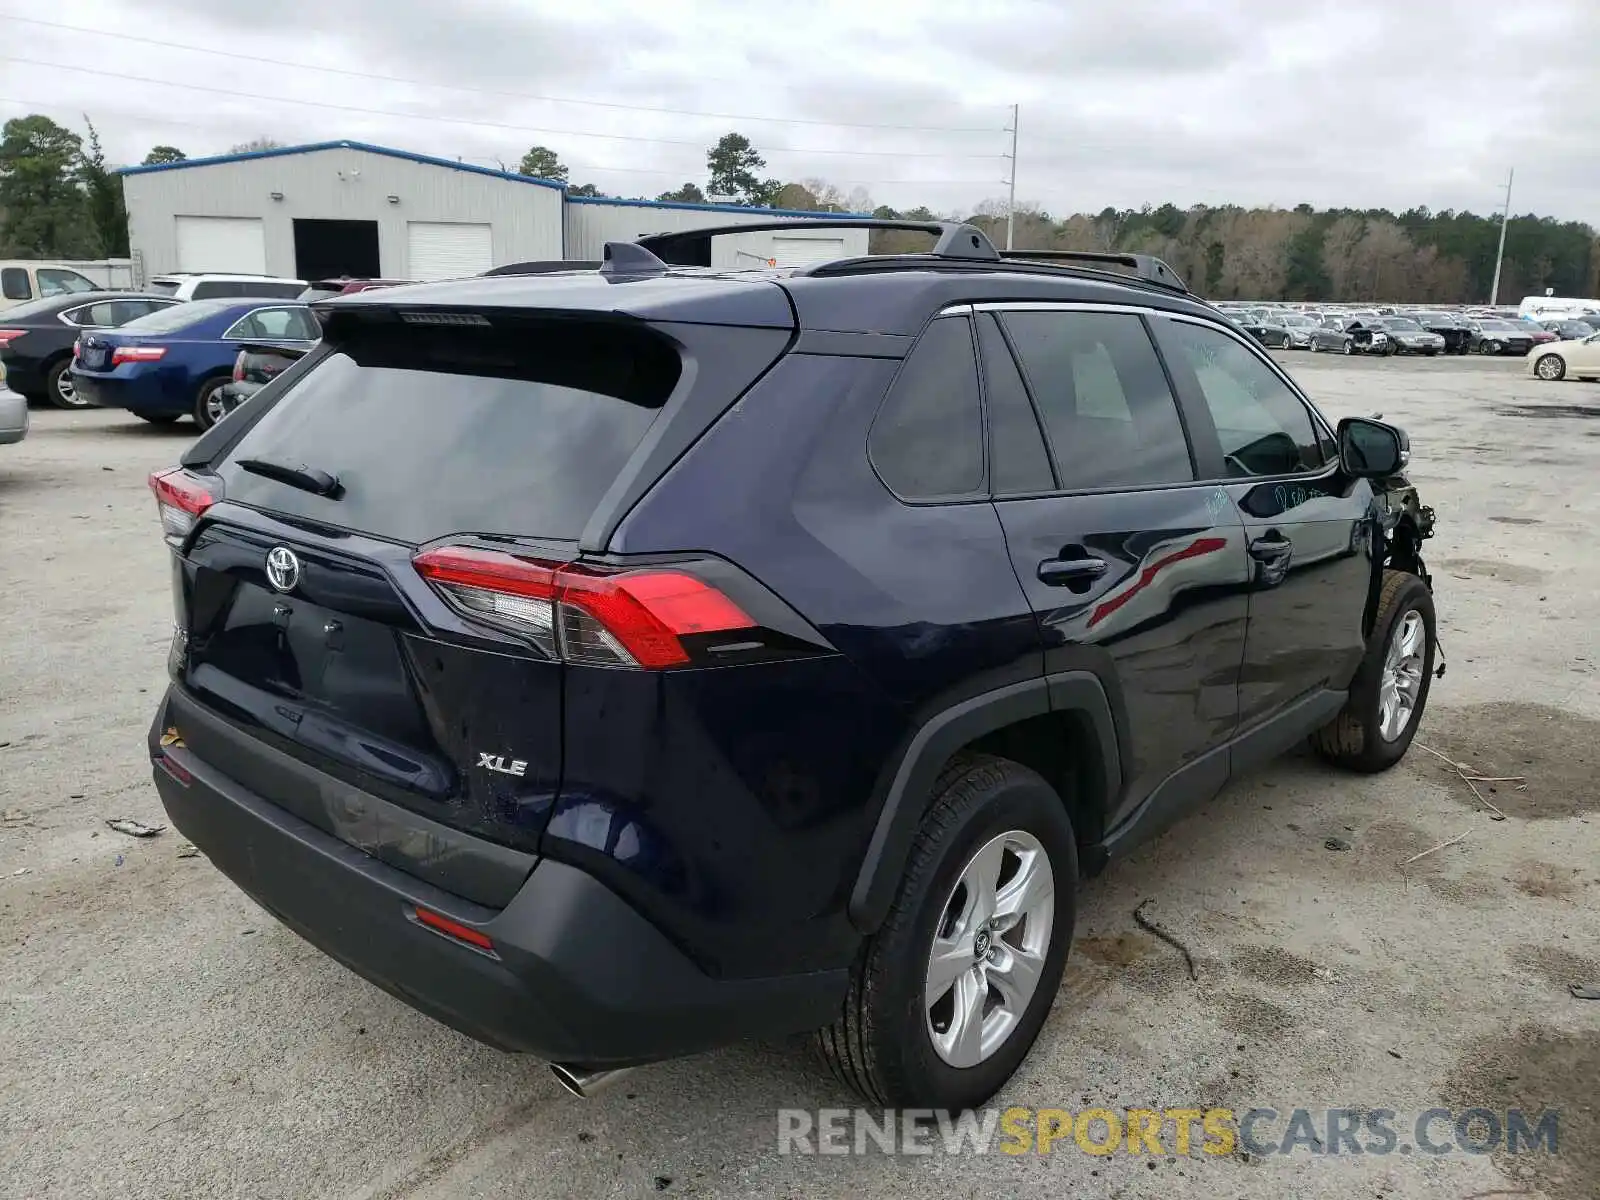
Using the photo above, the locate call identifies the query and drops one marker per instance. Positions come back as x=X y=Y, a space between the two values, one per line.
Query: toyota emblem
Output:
x=283 y=568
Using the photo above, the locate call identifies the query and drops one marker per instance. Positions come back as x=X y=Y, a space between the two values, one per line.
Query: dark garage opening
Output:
x=329 y=249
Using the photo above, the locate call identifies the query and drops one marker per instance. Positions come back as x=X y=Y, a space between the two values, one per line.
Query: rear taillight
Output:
x=180 y=498
x=77 y=348
x=238 y=368
x=583 y=614
x=136 y=354
x=7 y=336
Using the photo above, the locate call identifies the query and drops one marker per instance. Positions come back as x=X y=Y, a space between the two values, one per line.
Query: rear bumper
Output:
x=139 y=395
x=577 y=975
x=13 y=416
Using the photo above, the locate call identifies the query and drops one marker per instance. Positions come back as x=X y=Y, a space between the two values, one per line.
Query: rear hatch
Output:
x=307 y=631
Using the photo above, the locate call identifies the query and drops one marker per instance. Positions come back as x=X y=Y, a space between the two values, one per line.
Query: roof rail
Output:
x=1145 y=266
x=543 y=267
x=952 y=239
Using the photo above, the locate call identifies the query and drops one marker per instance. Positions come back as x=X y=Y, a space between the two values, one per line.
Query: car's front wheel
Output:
x=1550 y=367
x=947 y=997
x=59 y=389
x=1390 y=691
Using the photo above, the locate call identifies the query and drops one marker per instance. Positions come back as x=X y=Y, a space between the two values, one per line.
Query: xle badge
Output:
x=497 y=762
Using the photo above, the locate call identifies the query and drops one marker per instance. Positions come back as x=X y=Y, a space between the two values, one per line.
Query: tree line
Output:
x=59 y=199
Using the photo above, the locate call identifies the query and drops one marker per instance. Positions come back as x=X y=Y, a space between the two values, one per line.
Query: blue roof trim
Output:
x=722 y=208
x=281 y=151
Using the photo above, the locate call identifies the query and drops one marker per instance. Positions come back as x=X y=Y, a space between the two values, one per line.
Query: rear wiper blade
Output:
x=307 y=479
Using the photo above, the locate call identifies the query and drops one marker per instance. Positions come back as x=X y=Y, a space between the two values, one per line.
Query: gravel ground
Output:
x=161 y=1036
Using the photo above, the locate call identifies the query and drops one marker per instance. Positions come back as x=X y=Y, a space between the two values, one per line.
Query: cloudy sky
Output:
x=1123 y=102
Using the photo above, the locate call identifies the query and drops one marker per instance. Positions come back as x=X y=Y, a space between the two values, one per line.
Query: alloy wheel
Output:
x=1401 y=682
x=989 y=948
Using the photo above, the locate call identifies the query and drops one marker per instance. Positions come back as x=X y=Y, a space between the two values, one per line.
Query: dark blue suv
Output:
x=617 y=663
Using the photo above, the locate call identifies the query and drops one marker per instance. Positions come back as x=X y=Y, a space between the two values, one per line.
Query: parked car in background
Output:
x=1300 y=328
x=1571 y=330
x=1536 y=330
x=13 y=412
x=36 y=338
x=1453 y=329
x=1542 y=308
x=1408 y=337
x=1567 y=360
x=1264 y=328
x=345 y=285
x=181 y=285
x=174 y=363
x=1496 y=335
x=1330 y=335
x=255 y=367
x=22 y=280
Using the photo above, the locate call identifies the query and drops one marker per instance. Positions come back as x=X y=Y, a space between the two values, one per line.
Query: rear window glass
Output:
x=164 y=287
x=178 y=316
x=434 y=431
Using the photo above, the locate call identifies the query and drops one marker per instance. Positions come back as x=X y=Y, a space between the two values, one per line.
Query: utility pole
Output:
x=1499 y=255
x=1011 y=200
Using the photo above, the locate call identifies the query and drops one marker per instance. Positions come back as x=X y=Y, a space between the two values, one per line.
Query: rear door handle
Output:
x=1271 y=548
x=1058 y=572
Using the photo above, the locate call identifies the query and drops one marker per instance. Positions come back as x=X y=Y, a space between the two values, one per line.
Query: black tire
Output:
x=57 y=375
x=1352 y=739
x=1349 y=346
x=158 y=418
x=880 y=1046
x=1431 y=353
x=205 y=399
x=1390 y=349
x=1487 y=347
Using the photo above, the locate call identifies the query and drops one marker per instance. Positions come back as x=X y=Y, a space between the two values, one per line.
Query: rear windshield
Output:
x=178 y=316
x=434 y=431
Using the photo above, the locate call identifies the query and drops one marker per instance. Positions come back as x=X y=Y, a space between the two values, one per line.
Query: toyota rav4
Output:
x=617 y=663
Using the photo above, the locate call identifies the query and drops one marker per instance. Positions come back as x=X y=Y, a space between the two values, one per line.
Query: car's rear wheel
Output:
x=208 y=405
x=1550 y=367
x=58 y=386
x=947 y=997
x=1390 y=691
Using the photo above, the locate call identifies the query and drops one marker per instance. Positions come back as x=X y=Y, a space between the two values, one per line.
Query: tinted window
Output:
x=212 y=288
x=1018 y=460
x=14 y=284
x=927 y=440
x=164 y=287
x=53 y=281
x=447 y=430
x=1263 y=426
x=289 y=290
x=1104 y=398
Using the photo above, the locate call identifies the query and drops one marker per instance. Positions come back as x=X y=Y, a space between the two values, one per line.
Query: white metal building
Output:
x=337 y=208
x=348 y=208
x=594 y=221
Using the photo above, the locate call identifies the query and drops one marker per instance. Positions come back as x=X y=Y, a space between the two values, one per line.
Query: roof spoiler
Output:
x=544 y=267
x=690 y=247
x=1144 y=266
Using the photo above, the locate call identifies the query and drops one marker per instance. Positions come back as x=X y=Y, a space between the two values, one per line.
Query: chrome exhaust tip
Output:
x=586 y=1084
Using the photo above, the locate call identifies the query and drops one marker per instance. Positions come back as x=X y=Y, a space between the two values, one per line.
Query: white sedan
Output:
x=1577 y=359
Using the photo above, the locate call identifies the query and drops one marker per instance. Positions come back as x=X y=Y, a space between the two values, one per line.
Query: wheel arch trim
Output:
x=917 y=768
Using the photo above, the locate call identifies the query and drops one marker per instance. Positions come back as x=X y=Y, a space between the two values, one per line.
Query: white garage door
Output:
x=445 y=250
x=797 y=251
x=235 y=244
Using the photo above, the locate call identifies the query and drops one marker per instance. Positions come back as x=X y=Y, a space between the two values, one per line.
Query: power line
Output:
x=681 y=112
x=673 y=173
x=415 y=116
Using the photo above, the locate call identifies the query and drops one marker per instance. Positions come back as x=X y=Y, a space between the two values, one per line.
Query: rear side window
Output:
x=210 y=289
x=927 y=440
x=14 y=284
x=432 y=431
x=1106 y=404
x=1018 y=461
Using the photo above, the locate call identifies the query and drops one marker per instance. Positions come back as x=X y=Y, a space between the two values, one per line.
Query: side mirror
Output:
x=1370 y=449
